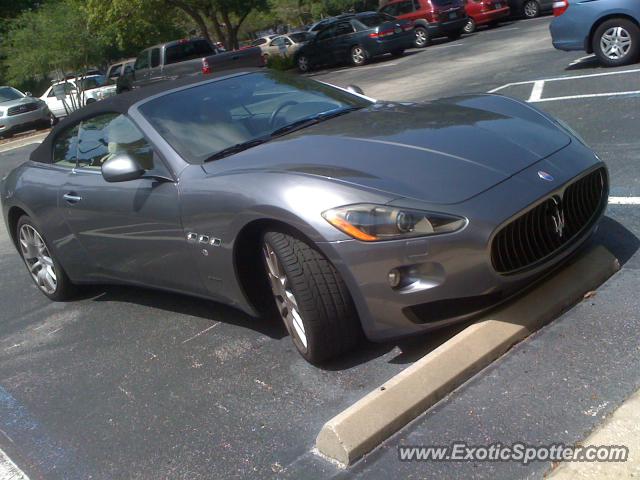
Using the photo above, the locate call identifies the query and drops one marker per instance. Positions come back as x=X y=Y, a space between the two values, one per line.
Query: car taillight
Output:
x=559 y=7
x=382 y=34
x=206 y=69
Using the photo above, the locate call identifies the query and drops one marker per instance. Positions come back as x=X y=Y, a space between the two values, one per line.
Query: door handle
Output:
x=71 y=198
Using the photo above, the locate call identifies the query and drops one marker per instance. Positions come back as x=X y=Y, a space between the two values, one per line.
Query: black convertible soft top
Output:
x=121 y=104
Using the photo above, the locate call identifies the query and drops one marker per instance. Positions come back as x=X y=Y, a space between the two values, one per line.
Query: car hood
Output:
x=441 y=152
x=18 y=101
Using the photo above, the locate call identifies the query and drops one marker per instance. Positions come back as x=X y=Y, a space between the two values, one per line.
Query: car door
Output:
x=344 y=40
x=131 y=230
x=322 y=47
x=155 y=69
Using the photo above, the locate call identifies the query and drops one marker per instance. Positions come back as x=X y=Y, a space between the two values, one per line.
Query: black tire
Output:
x=303 y=63
x=470 y=26
x=331 y=324
x=398 y=53
x=531 y=9
x=358 y=56
x=53 y=120
x=632 y=32
x=422 y=37
x=64 y=289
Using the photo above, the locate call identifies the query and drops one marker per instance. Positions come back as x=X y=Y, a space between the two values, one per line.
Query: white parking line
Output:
x=580 y=60
x=559 y=79
x=624 y=200
x=9 y=470
x=590 y=95
x=536 y=92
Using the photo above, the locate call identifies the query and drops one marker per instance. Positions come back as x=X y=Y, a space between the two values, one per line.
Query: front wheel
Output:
x=617 y=42
x=421 y=37
x=311 y=297
x=358 y=56
x=44 y=269
x=470 y=26
x=303 y=63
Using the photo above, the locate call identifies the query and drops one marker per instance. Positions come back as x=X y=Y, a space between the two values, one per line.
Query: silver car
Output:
x=21 y=112
x=345 y=216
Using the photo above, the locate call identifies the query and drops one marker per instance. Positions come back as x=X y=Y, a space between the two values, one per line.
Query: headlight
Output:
x=373 y=223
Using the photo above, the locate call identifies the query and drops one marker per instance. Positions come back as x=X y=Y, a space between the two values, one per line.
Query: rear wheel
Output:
x=531 y=9
x=617 y=42
x=422 y=37
x=470 y=26
x=311 y=297
x=358 y=56
x=44 y=269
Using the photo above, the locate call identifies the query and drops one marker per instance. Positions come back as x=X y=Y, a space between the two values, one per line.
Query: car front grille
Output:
x=543 y=231
x=23 y=108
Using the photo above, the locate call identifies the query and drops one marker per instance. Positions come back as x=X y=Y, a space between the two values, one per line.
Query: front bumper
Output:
x=24 y=120
x=442 y=29
x=491 y=16
x=456 y=276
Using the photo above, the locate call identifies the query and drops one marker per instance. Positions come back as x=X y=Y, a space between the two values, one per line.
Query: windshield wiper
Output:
x=312 y=120
x=238 y=147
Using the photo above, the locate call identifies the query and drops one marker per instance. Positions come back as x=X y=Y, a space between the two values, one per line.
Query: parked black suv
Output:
x=355 y=38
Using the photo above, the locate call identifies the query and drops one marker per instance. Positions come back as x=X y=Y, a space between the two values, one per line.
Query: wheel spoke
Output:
x=298 y=327
x=38 y=259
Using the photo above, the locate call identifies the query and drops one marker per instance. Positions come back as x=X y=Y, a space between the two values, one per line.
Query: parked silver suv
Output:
x=19 y=111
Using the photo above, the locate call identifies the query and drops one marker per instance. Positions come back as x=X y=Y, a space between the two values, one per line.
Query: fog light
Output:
x=394 y=278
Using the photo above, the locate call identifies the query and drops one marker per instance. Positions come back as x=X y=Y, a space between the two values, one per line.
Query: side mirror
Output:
x=355 y=89
x=28 y=94
x=121 y=168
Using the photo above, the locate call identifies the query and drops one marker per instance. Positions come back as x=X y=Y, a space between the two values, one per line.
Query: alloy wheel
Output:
x=358 y=56
x=421 y=38
x=285 y=299
x=38 y=259
x=470 y=26
x=531 y=9
x=616 y=43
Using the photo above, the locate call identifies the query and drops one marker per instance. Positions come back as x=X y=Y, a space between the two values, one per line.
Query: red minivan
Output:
x=485 y=12
x=432 y=18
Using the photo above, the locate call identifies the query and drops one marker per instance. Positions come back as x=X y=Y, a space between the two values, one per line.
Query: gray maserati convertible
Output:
x=274 y=193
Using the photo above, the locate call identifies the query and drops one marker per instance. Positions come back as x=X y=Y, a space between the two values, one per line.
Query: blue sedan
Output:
x=608 y=28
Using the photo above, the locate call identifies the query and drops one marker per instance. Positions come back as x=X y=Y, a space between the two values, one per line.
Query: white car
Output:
x=285 y=44
x=94 y=88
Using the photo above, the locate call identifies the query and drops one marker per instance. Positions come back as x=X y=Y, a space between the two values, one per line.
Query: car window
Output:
x=142 y=61
x=258 y=42
x=371 y=21
x=65 y=148
x=405 y=7
x=344 y=28
x=128 y=68
x=67 y=87
x=155 y=57
x=300 y=37
x=276 y=42
x=107 y=135
x=327 y=33
x=9 y=93
x=391 y=9
x=115 y=70
x=187 y=50
x=202 y=120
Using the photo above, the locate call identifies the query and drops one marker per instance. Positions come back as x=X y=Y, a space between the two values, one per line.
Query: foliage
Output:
x=281 y=63
x=55 y=37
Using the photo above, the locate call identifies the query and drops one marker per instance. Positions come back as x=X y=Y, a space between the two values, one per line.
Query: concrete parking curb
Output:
x=361 y=427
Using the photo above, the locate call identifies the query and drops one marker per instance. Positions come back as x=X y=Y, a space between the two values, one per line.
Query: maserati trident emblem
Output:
x=557 y=216
x=545 y=176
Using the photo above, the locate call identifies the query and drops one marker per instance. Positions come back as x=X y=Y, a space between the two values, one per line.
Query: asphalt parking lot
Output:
x=131 y=383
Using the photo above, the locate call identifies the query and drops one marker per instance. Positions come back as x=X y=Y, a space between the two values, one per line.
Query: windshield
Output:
x=301 y=37
x=93 y=82
x=200 y=121
x=8 y=93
